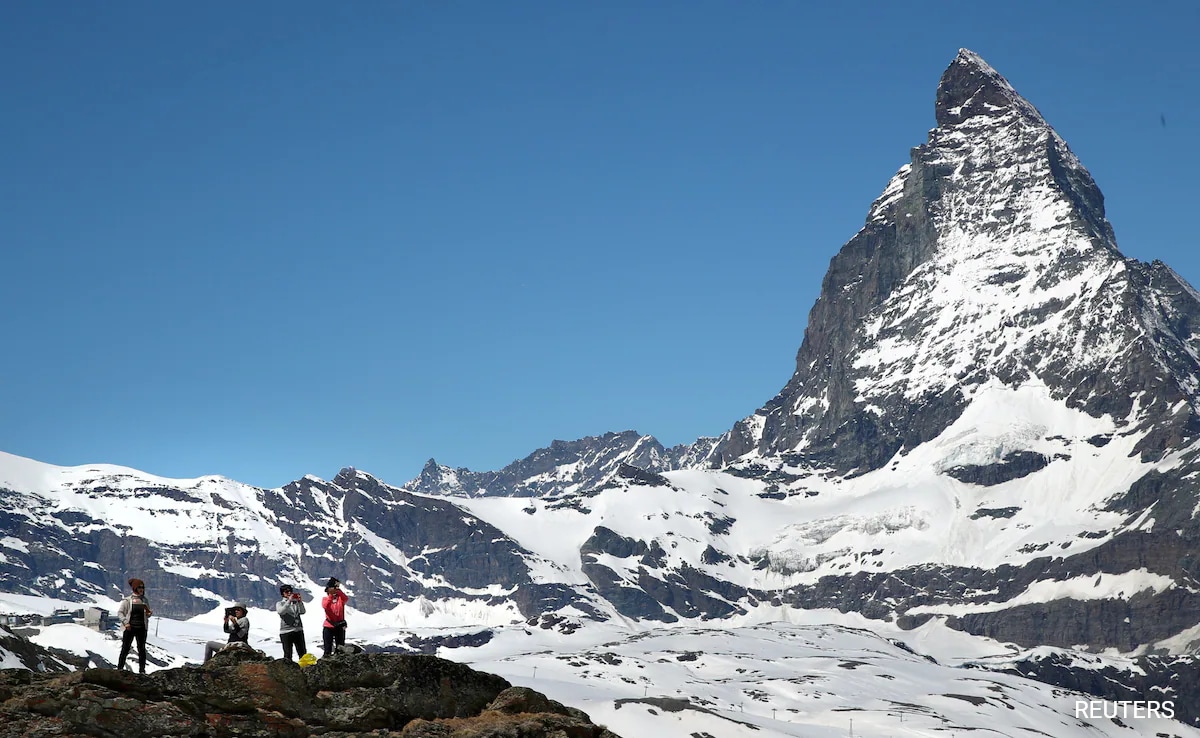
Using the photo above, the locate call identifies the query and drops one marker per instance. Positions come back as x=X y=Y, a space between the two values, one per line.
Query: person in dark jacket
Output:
x=237 y=625
x=134 y=613
x=291 y=627
x=334 y=604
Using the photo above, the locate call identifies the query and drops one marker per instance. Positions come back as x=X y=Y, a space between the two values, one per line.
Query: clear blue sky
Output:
x=275 y=238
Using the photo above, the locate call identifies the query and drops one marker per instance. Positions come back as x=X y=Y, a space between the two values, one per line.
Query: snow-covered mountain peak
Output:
x=985 y=127
x=987 y=257
x=971 y=87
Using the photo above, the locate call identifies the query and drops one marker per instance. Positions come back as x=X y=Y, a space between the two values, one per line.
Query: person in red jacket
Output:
x=334 y=603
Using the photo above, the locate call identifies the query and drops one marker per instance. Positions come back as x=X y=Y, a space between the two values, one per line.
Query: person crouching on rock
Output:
x=334 y=603
x=291 y=628
x=237 y=625
x=134 y=613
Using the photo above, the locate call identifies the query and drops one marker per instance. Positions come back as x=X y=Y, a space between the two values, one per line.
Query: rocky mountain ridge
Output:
x=561 y=467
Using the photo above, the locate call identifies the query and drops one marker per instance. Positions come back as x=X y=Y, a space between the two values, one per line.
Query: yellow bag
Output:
x=307 y=660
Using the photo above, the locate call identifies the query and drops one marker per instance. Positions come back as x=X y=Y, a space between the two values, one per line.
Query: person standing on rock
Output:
x=291 y=628
x=334 y=603
x=237 y=625
x=134 y=613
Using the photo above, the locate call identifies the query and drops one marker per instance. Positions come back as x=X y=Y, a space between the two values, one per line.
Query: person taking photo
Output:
x=291 y=627
x=334 y=604
x=237 y=625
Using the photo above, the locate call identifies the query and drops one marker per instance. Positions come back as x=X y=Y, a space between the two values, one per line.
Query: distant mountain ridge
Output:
x=563 y=466
x=992 y=421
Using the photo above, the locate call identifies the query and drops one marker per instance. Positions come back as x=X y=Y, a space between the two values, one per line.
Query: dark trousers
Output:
x=330 y=636
x=292 y=640
x=127 y=643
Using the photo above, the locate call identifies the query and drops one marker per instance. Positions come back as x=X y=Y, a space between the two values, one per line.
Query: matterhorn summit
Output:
x=986 y=261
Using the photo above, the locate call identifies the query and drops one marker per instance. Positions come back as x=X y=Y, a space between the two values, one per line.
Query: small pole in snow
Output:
x=535 y=672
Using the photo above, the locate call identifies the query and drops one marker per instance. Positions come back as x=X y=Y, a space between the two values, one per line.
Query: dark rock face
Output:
x=995 y=512
x=239 y=693
x=692 y=593
x=684 y=590
x=431 y=644
x=657 y=590
x=1125 y=623
x=1013 y=466
x=641 y=476
x=630 y=601
x=606 y=541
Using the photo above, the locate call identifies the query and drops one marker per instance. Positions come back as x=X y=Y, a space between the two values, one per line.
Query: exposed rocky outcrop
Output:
x=241 y=693
x=1013 y=466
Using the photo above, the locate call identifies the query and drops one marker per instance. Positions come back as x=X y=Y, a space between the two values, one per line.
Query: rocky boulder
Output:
x=243 y=693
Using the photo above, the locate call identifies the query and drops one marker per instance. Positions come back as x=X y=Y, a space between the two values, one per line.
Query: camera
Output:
x=229 y=611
